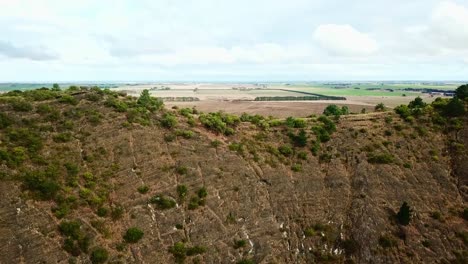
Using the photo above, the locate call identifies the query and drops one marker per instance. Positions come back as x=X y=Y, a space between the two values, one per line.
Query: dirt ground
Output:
x=216 y=97
x=293 y=108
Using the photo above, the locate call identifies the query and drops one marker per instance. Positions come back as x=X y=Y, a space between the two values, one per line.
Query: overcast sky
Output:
x=233 y=40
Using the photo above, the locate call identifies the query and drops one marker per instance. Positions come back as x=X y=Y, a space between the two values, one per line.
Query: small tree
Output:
x=404 y=215
x=133 y=235
x=99 y=255
x=55 y=87
x=417 y=103
x=332 y=110
x=380 y=107
x=462 y=92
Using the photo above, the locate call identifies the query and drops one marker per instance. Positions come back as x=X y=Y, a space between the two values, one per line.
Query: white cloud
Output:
x=449 y=25
x=26 y=52
x=344 y=40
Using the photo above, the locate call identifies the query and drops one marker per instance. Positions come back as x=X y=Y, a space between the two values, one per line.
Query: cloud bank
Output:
x=52 y=40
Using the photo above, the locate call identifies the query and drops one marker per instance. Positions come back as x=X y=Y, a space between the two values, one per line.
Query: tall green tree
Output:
x=404 y=215
x=150 y=103
x=462 y=92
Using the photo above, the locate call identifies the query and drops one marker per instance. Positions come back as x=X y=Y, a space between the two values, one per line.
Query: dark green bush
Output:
x=63 y=137
x=238 y=147
x=143 y=189
x=404 y=214
x=386 y=241
x=27 y=138
x=239 y=243
x=179 y=252
x=302 y=155
x=299 y=140
x=220 y=122
x=162 y=202
x=184 y=133
x=150 y=103
x=202 y=193
x=380 y=158
x=117 y=212
x=325 y=158
x=42 y=183
x=21 y=105
x=5 y=120
x=296 y=167
x=295 y=122
x=68 y=99
x=99 y=255
x=196 y=250
x=285 y=150
x=71 y=229
x=133 y=235
x=182 y=191
x=169 y=120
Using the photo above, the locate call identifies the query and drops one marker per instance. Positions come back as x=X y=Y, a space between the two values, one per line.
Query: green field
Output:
x=364 y=89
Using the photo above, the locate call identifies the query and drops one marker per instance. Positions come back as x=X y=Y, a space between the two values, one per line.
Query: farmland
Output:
x=277 y=99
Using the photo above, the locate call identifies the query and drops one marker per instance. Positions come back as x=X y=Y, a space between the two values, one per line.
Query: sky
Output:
x=241 y=40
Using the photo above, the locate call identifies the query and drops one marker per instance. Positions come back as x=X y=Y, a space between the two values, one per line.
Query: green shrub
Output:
x=62 y=137
x=179 y=252
x=102 y=211
x=182 y=191
x=42 y=183
x=195 y=202
x=169 y=120
x=21 y=105
x=93 y=97
x=162 y=202
x=295 y=122
x=215 y=143
x=404 y=214
x=220 y=122
x=184 y=133
x=99 y=255
x=238 y=147
x=27 y=138
x=386 y=241
x=118 y=105
x=239 y=243
x=143 y=189
x=187 y=112
x=296 y=167
x=117 y=212
x=285 y=150
x=380 y=107
x=151 y=103
x=72 y=169
x=5 y=120
x=380 y=158
x=299 y=140
x=325 y=158
x=302 y=155
x=202 y=193
x=335 y=110
x=71 y=229
x=68 y=99
x=133 y=235
x=169 y=137
x=181 y=170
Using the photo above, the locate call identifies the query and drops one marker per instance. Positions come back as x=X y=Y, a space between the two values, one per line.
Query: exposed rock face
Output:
x=332 y=211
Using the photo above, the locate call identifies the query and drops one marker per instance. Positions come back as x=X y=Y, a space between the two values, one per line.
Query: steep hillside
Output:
x=92 y=176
